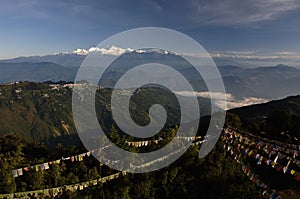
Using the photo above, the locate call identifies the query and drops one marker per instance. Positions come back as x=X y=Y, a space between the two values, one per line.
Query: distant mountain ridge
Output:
x=267 y=82
x=75 y=58
x=66 y=60
x=36 y=72
x=262 y=82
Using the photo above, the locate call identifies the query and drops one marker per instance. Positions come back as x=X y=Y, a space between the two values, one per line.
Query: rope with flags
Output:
x=283 y=157
x=52 y=192
x=238 y=144
x=278 y=157
x=80 y=157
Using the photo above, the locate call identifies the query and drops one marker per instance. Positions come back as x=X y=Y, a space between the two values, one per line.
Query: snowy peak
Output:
x=113 y=50
x=75 y=58
x=116 y=51
x=80 y=51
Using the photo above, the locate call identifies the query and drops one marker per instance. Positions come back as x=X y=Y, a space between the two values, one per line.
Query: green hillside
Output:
x=44 y=111
x=35 y=114
x=35 y=110
x=215 y=176
x=277 y=119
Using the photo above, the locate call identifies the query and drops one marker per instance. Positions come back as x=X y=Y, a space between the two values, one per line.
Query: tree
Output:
x=93 y=173
x=55 y=175
x=278 y=121
x=35 y=180
x=7 y=181
x=233 y=120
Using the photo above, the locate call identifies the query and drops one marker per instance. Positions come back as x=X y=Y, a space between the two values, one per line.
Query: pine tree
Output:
x=55 y=175
x=7 y=181
x=36 y=180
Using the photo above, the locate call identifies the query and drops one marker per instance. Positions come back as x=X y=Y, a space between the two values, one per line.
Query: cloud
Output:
x=246 y=101
x=254 y=55
x=241 y=12
x=229 y=103
x=233 y=54
x=258 y=59
x=213 y=95
x=287 y=53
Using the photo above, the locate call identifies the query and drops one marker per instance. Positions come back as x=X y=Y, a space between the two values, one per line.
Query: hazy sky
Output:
x=242 y=28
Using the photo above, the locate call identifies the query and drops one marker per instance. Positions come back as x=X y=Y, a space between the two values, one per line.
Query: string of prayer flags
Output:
x=236 y=143
x=251 y=175
x=79 y=157
x=46 y=165
x=53 y=192
x=150 y=142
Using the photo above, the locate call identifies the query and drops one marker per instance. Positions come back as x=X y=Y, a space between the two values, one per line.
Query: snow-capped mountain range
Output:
x=113 y=50
x=75 y=58
x=260 y=82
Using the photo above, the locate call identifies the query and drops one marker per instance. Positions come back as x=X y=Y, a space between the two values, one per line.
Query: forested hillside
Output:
x=277 y=119
x=36 y=116
x=216 y=176
x=43 y=111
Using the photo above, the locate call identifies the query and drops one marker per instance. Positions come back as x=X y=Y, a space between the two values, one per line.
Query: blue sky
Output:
x=258 y=28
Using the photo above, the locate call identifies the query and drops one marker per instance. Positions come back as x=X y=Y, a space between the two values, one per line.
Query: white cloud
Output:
x=230 y=101
x=259 y=59
x=246 y=101
x=235 y=52
x=243 y=12
x=287 y=53
x=253 y=55
x=213 y=95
